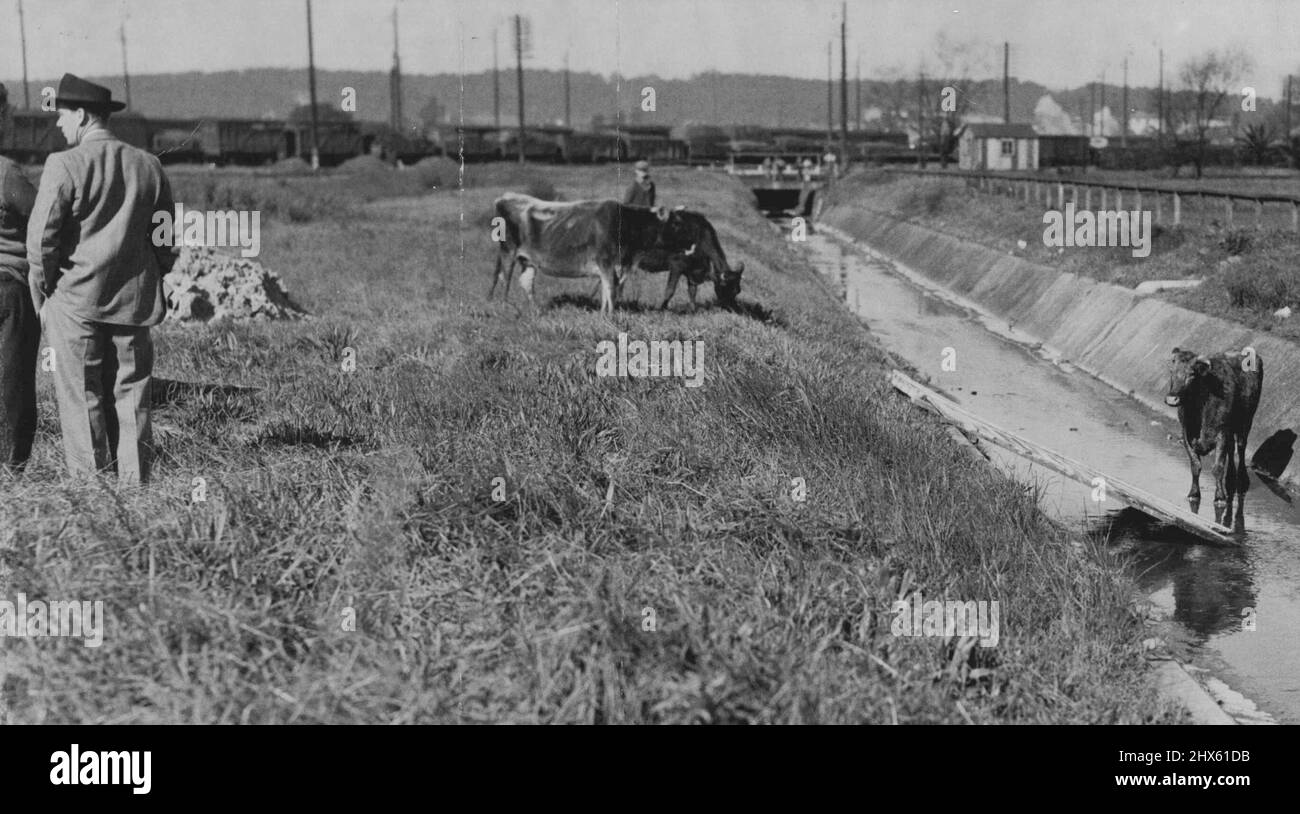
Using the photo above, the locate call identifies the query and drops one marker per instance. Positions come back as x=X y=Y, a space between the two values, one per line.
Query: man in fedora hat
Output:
x=20 y=333
x=96 y=279
x=642 y=190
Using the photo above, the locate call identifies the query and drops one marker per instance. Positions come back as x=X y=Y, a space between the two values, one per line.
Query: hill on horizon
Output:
x=714 y=98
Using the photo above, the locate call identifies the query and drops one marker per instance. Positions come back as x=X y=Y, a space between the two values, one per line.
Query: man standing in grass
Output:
x=96 y=280
x=20 y=333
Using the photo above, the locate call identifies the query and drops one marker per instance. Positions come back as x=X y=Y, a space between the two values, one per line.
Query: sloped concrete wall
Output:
x=1106 y=330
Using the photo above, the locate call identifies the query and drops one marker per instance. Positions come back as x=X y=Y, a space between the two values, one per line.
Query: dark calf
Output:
x=1216 y=397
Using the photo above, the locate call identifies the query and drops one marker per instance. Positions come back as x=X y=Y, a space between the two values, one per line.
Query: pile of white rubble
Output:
x=208 y=285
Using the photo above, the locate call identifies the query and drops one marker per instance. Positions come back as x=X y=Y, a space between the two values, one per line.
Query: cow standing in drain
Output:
x=1216 y=397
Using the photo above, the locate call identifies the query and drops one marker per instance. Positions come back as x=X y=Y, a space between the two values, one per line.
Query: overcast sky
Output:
x=1060 y=43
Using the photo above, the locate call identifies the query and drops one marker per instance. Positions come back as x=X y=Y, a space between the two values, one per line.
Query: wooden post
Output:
x=1119 y=199
x=1178 y=215
x=1074 y=194
x=1139 y=202
x=1103 y=199
x=1159 y=212
x=1060 y=196
x=1087 y=197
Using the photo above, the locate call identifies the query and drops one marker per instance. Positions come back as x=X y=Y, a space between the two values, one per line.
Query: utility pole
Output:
x=1006 y=83
x=519 y=72
x=920 y=122
x=568 y=120
x=22 y=34
x=1123 y=136
x=1286 y=137
x=395 y=82
x=844 y=88
x=311 y=84
x=858 y=92
x=496 y=84
x=1160 y=102
x=830 y=104
x=126 y=74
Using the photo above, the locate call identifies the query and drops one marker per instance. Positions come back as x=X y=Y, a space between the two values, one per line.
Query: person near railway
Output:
x=96 y=282
x=642 y=190
x=20 y=331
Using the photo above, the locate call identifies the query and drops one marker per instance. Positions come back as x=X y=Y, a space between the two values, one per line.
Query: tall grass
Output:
x=372 y=496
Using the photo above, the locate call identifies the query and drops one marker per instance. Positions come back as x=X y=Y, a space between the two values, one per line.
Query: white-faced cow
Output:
x=1216 y=397
x=592 y=238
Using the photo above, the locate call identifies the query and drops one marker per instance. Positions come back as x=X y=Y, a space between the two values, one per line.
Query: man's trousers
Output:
x=102 y=375
x=20 y=338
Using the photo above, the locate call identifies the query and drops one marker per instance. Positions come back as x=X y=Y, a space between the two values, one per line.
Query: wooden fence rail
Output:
x=1033 y=188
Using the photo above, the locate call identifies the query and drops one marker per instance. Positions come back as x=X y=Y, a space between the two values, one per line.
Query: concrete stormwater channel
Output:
x=1205 y=599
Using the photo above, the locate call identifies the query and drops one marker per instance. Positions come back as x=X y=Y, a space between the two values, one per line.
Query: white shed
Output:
x=998 y=147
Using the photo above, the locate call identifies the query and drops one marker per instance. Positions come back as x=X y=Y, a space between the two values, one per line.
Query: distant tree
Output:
x=1206 y=81
x=896 y=98
x=1259 y=143
x=957 y=60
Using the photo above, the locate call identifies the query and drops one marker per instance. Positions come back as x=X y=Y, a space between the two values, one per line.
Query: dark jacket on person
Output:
x=16 y=198
x=640 y=195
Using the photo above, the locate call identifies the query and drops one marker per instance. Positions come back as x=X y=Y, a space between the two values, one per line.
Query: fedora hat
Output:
x=77 y=92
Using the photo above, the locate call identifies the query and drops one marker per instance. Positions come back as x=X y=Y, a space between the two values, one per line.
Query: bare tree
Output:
x=957 y=60
x=896 y=97
x=1206 y=81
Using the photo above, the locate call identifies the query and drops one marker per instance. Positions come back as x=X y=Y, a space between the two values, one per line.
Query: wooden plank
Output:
x=1133 y=495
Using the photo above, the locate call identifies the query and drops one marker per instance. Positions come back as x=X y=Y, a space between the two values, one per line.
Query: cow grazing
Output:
x=607 y=239
x=1216 y=397
x=704 y=259
x=582 y=238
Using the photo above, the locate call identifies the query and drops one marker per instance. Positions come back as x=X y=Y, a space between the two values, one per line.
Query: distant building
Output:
x=998 y=147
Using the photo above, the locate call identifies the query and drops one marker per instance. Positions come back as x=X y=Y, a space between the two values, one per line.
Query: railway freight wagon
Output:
x=706 y=144
x=1063 y=151
x=379 y=138
x=248 y=142
x=591 y=148
x=31 y=135
x=540 y=144
x=337 y=141
x=660 y=150
x=476 y=142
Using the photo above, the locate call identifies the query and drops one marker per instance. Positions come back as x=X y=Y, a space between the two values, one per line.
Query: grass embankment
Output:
x=372 y=491
x=1247 y=273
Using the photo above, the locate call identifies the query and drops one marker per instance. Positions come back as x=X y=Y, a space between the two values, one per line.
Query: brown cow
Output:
x=1216 y=397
